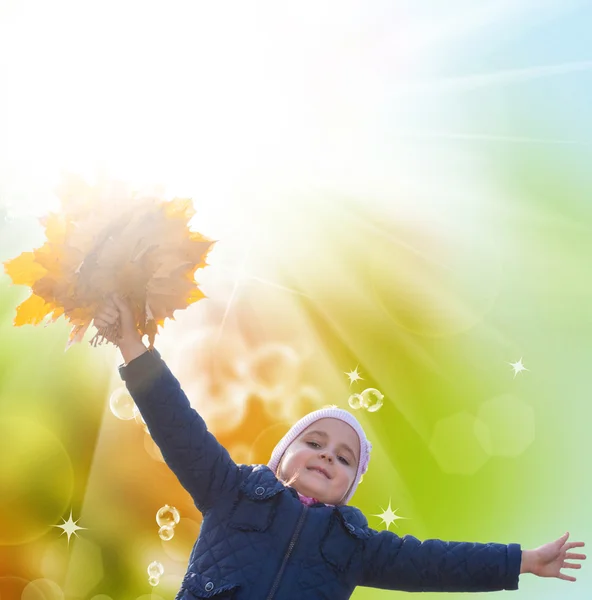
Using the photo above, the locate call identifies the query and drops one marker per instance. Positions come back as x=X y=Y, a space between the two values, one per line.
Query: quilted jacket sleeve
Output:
x=201 y=464
x=406 y=564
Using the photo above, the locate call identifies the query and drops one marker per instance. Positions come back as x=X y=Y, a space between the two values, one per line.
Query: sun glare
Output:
x=211 y=100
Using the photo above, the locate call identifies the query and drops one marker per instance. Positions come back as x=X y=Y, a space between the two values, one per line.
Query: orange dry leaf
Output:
x=108 y=240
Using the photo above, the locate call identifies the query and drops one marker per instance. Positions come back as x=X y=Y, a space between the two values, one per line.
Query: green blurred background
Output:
x=404 y=188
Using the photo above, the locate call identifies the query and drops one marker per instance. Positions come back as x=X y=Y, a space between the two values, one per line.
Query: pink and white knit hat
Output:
x=307 y=421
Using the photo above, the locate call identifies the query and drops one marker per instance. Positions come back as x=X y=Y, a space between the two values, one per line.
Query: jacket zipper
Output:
x=293 y=541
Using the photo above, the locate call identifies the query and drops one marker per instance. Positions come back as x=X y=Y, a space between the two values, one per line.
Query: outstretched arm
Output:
x=407 y=564
x=201 y=464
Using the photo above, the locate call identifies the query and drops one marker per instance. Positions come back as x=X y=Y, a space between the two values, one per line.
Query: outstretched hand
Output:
x=549 y=559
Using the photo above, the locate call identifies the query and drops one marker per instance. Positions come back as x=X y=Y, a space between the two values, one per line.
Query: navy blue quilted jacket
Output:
x=259 y=542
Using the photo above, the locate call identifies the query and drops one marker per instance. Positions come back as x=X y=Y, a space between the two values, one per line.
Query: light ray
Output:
x=490 y=138
x=228 y=307
x=509 y=76
x=248 y=277
x=237 y=283
x=276 y=285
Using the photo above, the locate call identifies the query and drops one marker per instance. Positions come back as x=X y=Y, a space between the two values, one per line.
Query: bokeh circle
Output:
x=38 y=479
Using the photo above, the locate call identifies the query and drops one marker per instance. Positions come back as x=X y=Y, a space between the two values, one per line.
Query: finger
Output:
x=575 y=545
x=564 y=537
x=565 y=577
x=574 y=556
x=121 y=306
x=567 y=565
x=111 y=310
x=107 y=317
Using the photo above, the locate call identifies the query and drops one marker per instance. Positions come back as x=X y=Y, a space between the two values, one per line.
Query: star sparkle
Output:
x=70 y=527
x=389 y=516
x=518 y=367
x=354 y=376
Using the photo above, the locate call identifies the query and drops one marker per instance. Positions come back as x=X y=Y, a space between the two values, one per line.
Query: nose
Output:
x=327 y=455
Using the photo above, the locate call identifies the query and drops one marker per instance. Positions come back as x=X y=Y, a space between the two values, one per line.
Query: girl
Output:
x=284 y=531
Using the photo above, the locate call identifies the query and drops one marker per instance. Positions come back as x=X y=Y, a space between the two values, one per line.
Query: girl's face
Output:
x=322 y=461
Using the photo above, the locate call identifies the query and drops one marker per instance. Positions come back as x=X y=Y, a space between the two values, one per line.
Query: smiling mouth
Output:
x=320 y=471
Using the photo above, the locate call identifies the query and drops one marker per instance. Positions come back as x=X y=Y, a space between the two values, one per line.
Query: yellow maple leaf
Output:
x=108 y=239
x=24 y=268
x=32 y=311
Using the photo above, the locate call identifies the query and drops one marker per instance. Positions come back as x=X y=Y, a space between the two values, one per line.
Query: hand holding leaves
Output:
x=108 y=239
x=116 y=322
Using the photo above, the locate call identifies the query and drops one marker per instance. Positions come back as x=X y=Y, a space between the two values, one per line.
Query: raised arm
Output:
x=201 y=464
x=407 y=564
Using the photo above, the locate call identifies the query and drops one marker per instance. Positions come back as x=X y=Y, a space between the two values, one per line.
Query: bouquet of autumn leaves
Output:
x=108 y=240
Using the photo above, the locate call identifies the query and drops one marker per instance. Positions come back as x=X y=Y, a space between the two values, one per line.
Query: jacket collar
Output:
x=261 y=484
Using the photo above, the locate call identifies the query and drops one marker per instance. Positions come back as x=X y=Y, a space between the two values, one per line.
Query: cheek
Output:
x=346 y=477
x=289 y=465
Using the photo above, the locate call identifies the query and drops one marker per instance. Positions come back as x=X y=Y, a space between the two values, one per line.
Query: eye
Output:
x=344 y=460
x=313 y=444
